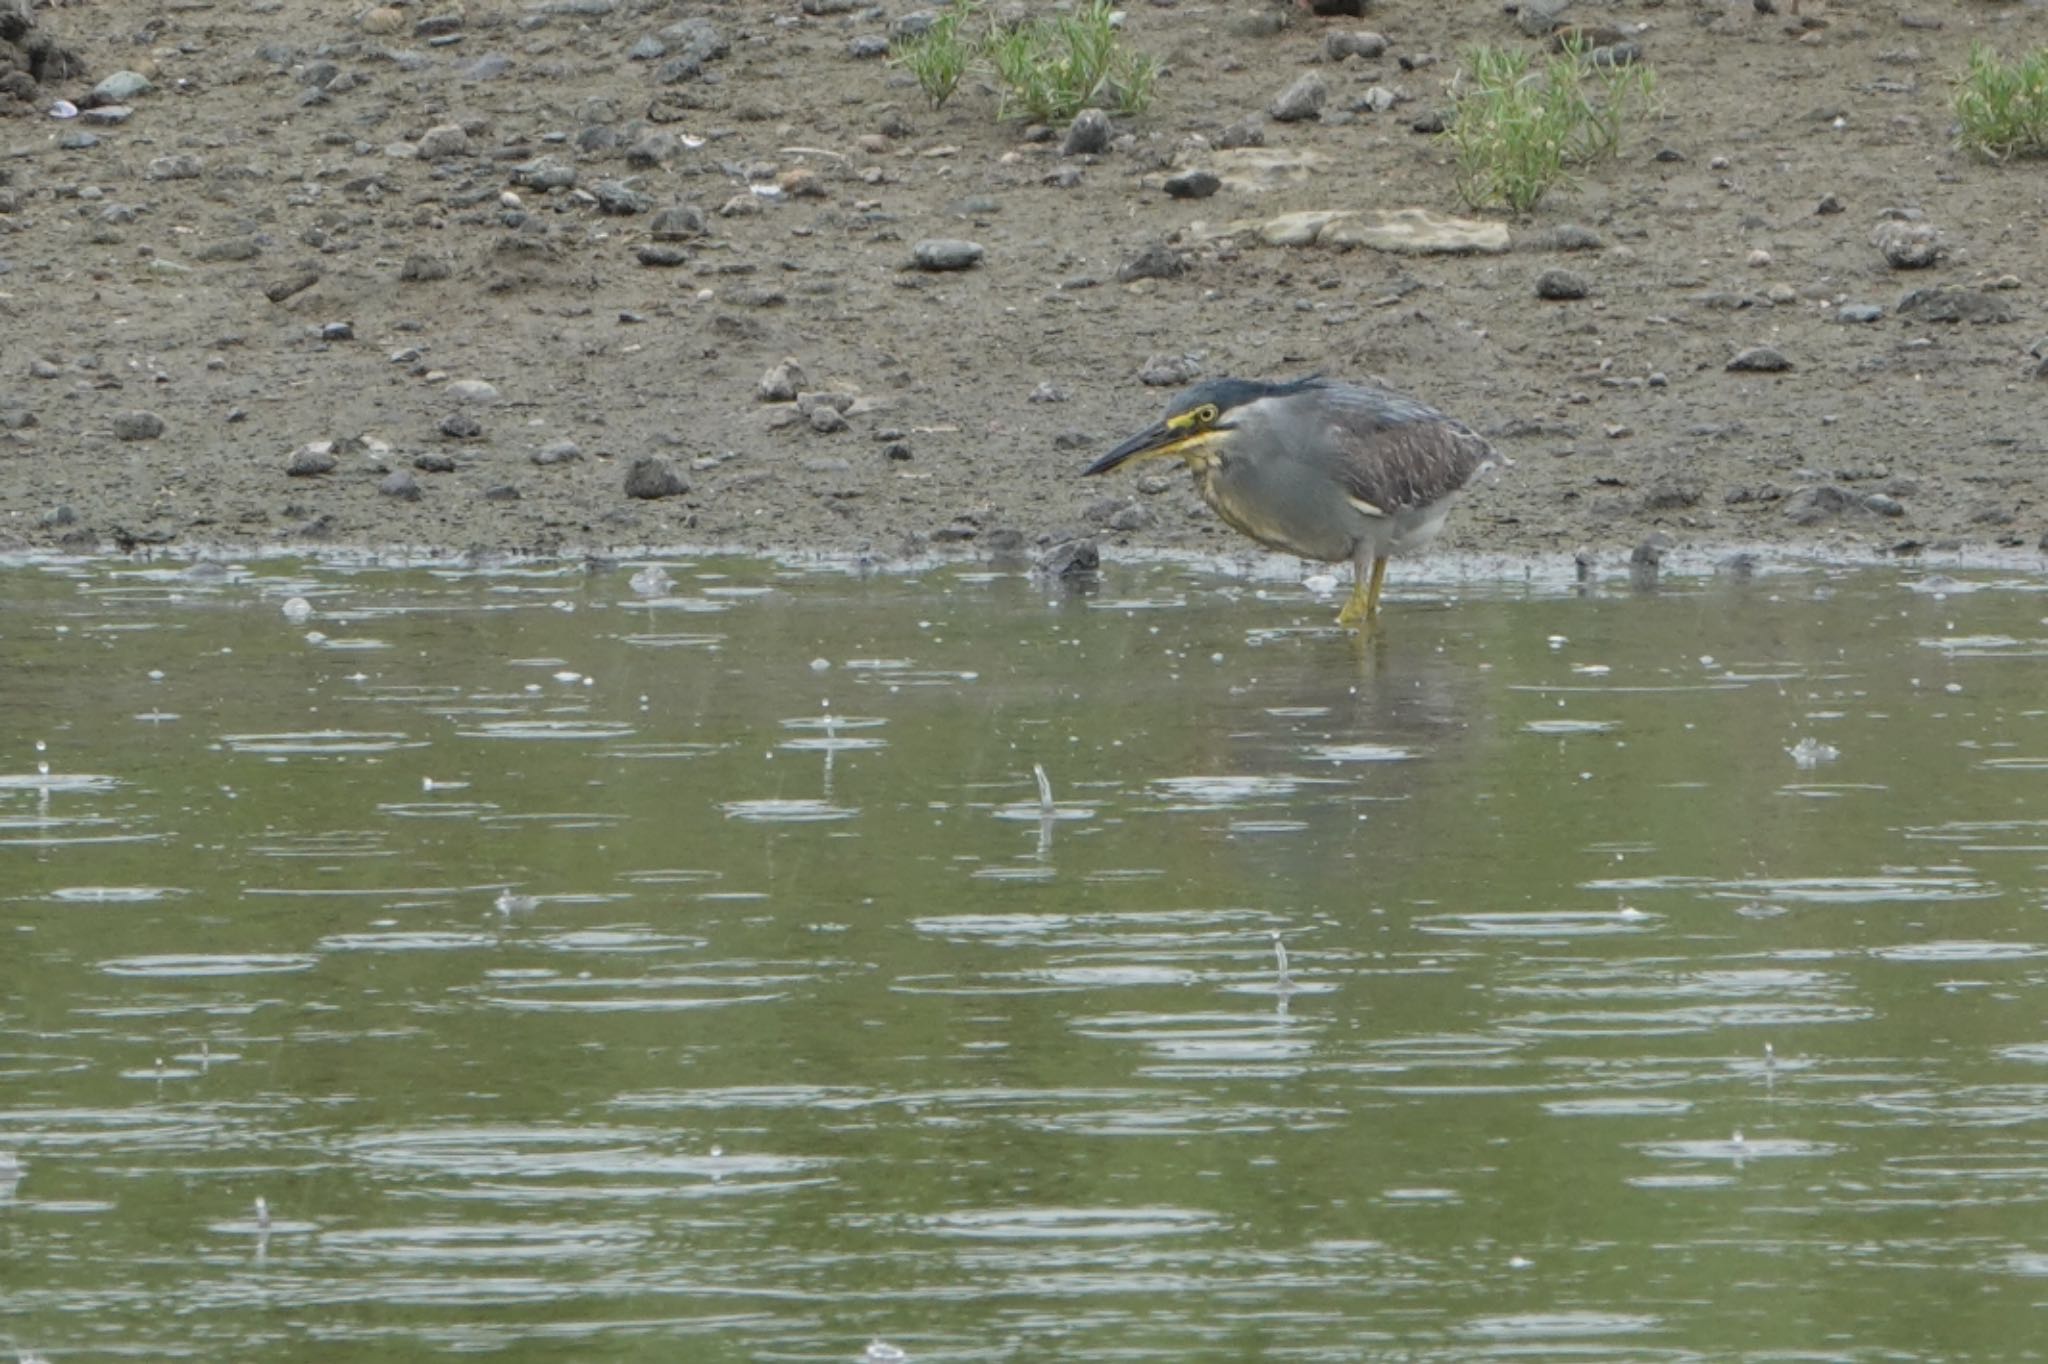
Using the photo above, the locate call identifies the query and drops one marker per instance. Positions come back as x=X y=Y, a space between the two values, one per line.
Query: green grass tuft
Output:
x=1519 y=130
x=2002 y=107
x=1048 y=68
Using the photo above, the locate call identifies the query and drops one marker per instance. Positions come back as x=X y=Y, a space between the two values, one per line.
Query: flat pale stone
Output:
x=1305 y=228
x=1254 y=170
x=1417 y=231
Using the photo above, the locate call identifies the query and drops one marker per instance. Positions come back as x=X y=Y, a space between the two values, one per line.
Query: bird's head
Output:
x=1198 y=423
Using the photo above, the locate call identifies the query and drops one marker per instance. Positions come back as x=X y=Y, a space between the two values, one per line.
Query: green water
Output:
x=579 y=972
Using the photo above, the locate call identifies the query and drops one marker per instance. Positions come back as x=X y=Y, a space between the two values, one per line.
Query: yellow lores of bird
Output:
x=1319 y=468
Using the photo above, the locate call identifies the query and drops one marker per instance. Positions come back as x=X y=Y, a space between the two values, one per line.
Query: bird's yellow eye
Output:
x=1204 y=415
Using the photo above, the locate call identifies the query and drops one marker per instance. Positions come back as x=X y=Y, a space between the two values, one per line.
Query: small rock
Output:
x=434 y=462
x=1157 y=261
x=1811 y=506
x=1950 y=303
x=1193 y=184
x=137 y=425
x=183 y=166
x=59 y=516
x=1246 y=132
x=1069 y=559
x=1907 y=245
x=659 y=256
x=1858 y=312
x=444 y=140
x=867 y=46
x=477 y=392
x=1884 y=504
x=652 y=477
x=1760 y=360
x=501 y=492
x=461 y=426
x=1300 y=101
x=1561 y=285
x=314 y=457
x=119 y=88
x=557 y=452
x=1828 y=204
x=896 y=450
x=945 y=253
x=782 y=382
x=1537 y=18
x=680 y=222
x=1338 y=46
x=1168 y=371
x=400 y=483
x=1646 y=558
x=1087 y=135
x=826 y=419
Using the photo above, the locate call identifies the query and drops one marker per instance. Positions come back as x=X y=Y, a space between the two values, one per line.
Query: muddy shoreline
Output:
x=482 y=261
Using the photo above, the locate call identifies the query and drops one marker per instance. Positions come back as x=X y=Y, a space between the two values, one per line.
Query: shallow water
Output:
x=578 y=964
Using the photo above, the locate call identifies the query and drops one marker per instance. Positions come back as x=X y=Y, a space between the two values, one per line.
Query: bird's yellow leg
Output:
x=1372 y=591
x=1356 y=607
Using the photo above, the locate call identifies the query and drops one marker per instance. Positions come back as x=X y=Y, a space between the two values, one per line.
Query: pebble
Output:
x=652 y=477
x=1069 y=559
x=1828 y=204
x=314 y=457
x=781 y=383
x=1157 y=261
x=1087 y=135
x=826 y=419
x=945 y=253
x=107 y=115
x=461 y=426
x=444 y=140
x=1168 y=371
x=1561 y=285
x=1760 y=360
x=501 y=492
x=1362 y=43
x=476 y=391
x=137 y=425
x=1952 y=303
x=400 y=483
x=182 y=166
x=557 y=452
x=1858 y=312
x=1300 y=101
x=1907 y=245
x=1811 y=506
x=1193 y=184
x=119 y=88
x=658 y=256
x=434 y=462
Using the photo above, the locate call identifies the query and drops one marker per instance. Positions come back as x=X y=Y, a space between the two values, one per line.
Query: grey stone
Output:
x=1360 y=43
x=1088 y=134
x=475 y=392
x=619 y=199
x=420 y=268
x=1168 y=371
x=1538 y=18
x=487 y=68
x=434 y=462
x=1760 y=360
x=182 y=166
x=945 y=253
x=400 y=483
x=107 y=115
x=648 y=49
x=1300 y=101
x=827 y=419
x=1069 y=559
x=782 y=382
x=444 y=140
x=1811 y=506
x=1907 y=245
x=1953 y=303
x=652 y=477
x=1193 y=184
x=658 y=256
x=1246 y=132
x=867 y=47
x=544 y=173
x=1561 y=285
x=119 y=88
x=137 y=425
x=501 y=492
x=698 y=38
x=461 y=426
x=1157 y=261
x=1884 y=504
x=1858 y=312
x=679 y=222
x=314 y=457
x=557 y=452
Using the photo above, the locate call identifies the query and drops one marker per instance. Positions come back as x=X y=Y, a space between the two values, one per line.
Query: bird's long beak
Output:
x=1153 y=442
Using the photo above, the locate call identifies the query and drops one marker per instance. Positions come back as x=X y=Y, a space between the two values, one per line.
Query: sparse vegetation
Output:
x=1046 y=68
x=2001 y=106
x=1519 y=128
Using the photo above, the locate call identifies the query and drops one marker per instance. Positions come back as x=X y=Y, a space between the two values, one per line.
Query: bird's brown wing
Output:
x=1401 y=454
